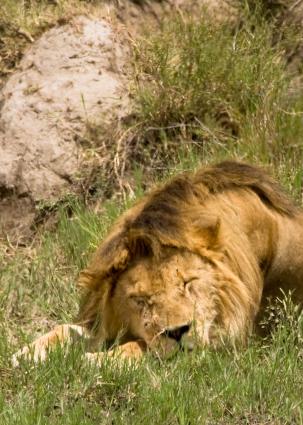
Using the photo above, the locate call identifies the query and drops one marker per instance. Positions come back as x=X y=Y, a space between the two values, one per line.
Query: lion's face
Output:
x=167 y=302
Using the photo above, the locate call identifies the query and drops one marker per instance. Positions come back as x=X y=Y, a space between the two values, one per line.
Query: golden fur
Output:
x=194 y=261
x=229 y=226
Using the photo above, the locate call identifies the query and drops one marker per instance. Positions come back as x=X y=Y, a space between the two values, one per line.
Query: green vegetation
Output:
x=262 y=384
x=216 y=90
x=204 y=93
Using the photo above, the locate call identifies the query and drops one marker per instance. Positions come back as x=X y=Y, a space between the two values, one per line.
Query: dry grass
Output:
x=209 y=90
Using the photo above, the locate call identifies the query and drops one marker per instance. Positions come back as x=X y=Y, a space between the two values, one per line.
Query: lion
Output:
x=191 y=264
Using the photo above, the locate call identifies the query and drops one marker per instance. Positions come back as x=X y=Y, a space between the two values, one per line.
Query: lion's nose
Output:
x=178 y=332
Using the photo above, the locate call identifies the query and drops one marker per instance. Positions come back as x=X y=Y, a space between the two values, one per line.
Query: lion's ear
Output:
x=208 y=231
x=141 y=243
x=111 y=258
x=120 y=260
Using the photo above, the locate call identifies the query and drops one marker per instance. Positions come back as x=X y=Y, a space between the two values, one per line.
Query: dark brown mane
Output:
x=171 y=214
x=166 y=209
x=231 y=174
x=216 y=179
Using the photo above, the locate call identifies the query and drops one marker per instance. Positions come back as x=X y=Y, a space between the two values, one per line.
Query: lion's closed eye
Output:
x=189 y=280
x=138 y=301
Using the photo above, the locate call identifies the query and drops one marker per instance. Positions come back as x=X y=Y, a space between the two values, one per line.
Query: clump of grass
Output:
x=208 y=79
x=193 y=71
x=268 y=9
x=285 y=17
x=212 y=89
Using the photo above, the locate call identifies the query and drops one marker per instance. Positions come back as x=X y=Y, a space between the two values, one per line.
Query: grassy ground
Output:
x=260 y=385
x=208 y=93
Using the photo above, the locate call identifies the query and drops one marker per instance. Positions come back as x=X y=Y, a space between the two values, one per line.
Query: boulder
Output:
x=72 y=74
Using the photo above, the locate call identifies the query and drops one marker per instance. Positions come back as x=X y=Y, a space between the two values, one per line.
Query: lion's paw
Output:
x=30 y=352
x=94 y=358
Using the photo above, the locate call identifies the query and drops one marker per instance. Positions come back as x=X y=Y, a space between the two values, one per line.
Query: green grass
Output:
x=261 y=384
x=251 y=387
x=209 y=93
x=217 y=90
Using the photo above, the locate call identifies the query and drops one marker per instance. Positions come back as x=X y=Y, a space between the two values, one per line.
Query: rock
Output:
x=72 y=73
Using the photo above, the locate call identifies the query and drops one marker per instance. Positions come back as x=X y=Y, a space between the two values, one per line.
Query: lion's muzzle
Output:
x=170 y=340
x=177 y=332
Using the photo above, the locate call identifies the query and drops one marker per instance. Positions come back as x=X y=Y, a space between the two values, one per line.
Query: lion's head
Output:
x=168 y=300
x=176 y=268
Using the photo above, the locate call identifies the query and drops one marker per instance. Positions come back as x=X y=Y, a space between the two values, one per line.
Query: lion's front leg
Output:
x=130 y=351
x=61 y=334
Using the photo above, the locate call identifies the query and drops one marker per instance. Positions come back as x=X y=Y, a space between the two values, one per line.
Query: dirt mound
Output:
x=72 y=73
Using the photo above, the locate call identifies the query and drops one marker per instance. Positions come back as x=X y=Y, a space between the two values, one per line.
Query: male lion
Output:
x=191 y=263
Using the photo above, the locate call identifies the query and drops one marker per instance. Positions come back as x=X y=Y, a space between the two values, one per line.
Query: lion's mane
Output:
x=175 y=215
